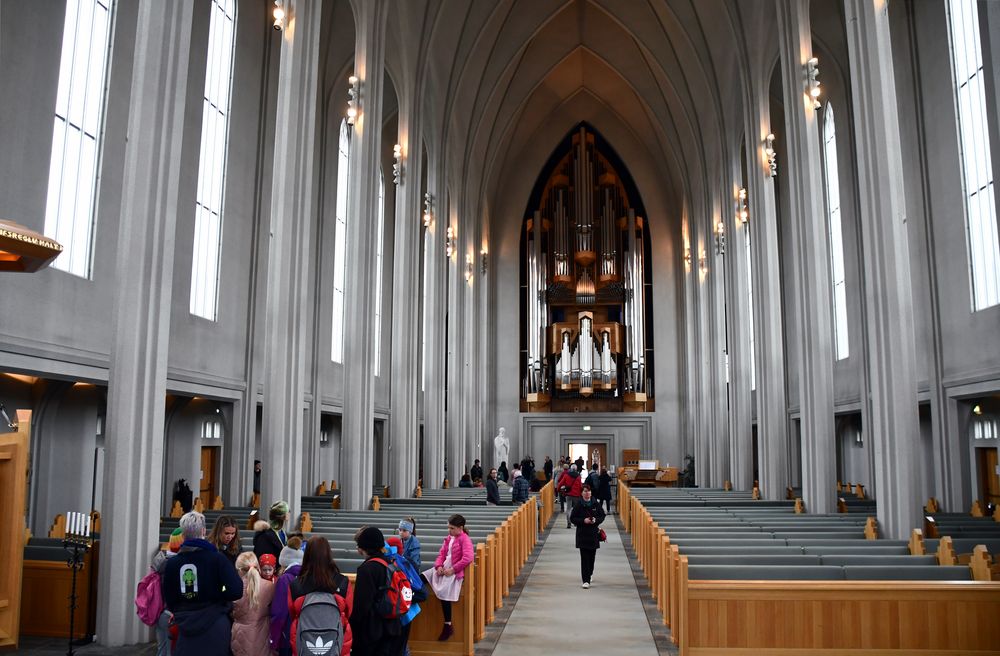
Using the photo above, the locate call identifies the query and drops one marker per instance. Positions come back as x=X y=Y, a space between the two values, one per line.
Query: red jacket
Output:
x=462 y=554
x=345 y=603
x=574 y=484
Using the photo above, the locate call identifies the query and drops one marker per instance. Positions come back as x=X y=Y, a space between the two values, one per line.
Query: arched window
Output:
x=205 y=259
x=841 y=343
x=378 y=272
x=77 y=133
x=974 y=142
x=340 y=245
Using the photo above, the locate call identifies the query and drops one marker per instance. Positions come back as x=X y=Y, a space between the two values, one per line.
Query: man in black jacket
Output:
x=587 y=516
x=476 y=472
x=199 y=585
x=547 y=468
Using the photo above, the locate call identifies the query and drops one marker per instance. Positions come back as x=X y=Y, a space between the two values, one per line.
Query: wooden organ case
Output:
x=586 y=292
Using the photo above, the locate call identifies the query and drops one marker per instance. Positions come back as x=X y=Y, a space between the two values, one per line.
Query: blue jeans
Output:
x=163 y=634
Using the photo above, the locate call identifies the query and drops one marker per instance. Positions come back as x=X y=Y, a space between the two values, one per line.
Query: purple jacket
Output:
x=281 y=619
x=462 y=554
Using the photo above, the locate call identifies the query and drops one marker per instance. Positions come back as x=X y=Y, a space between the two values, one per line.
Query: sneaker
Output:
x=446 y=632
x=586 y=586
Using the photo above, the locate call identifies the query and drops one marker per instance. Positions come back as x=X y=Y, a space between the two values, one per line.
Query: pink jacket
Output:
x=462 y=554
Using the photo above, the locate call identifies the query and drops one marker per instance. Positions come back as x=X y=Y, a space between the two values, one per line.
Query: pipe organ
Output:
x=584 y=285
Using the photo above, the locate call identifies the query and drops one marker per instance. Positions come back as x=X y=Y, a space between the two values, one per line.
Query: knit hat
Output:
x=176 y=540
x=405 y=525
x=290 y=557
x=370 y=539
x=277 y=514
x=268 y=560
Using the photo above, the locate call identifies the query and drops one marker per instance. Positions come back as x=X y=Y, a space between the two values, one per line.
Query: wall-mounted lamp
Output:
x=353 y=94
x=703 y=263
x=428 y=206
x=772 y=157
x=279 y=15
x=742 y=215
x=468 y=268
x=720 y=238
x=812 y=82
x=687 y=258
x=397 y=164
x=449 y=242
x=977 y=410
x=482 y=257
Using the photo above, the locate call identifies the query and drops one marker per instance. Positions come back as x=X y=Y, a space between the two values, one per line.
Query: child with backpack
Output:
x=320 y=603
x=149 y=596
x=380 y=599
x=446 y=576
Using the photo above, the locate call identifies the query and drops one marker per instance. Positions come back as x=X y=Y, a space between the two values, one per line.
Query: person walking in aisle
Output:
x=604 y=491
x=520 y=490
x=571 y=482
x=587 y=516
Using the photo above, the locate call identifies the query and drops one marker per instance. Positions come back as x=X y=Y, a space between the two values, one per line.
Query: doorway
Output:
x=591 y=452
x=989 y=480
x=209 y=472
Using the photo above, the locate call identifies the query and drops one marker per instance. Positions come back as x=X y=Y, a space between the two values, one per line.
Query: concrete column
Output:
x=404 y=382
x=359 y=297
x=141 y=323
x=769 y=350
x=457 y=362
x=287 y=301
x=716 y=352
x=738 y=319
x=811 y=265
x=435 y=311
x=894 y=428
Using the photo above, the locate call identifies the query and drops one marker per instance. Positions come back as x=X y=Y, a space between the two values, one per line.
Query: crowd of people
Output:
x=288 y=596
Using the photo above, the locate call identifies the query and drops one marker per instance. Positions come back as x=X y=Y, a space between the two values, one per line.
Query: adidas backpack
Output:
x=149 y=598
x=319 y=630
x=396 y=596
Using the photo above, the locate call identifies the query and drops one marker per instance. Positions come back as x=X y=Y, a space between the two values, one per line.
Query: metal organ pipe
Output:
x=585 y=348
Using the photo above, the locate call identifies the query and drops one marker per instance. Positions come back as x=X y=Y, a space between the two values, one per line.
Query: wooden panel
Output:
x=209 y=462
x=45 y=595
x=13 y=490
x=846 y=617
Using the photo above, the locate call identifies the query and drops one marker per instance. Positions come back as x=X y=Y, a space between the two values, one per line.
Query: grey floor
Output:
x=554 y=611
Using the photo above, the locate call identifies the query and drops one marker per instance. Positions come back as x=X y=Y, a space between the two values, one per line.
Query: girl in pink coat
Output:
x=449 y=569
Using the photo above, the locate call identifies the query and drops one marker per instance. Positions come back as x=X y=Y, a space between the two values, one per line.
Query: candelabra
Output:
x=77 y=542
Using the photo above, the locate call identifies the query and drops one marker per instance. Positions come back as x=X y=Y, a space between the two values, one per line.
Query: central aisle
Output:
x=554 y=613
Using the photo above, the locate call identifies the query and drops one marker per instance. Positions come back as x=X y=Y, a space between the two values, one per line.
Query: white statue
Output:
x=501 y=447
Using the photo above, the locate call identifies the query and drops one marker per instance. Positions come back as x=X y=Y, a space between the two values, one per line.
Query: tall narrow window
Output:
x=378 y=272
x=753 y=357
x=974 y=141
x=77 y=131
x=205 y=258
x=340 y=245
x=841 y=343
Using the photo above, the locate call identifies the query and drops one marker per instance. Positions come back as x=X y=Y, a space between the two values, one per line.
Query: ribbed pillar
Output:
x=140 y=326
x=404 y=381
x=894 y=430
x=292 y=208
x=811 y=261
x=435 y=312
x=738 y=321
x=769 y=350
x=457 y=361
x=357 y=445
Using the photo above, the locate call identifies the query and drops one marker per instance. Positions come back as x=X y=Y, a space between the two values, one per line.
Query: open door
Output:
x=13 y=492
x=989 y=481
x=209 y=470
